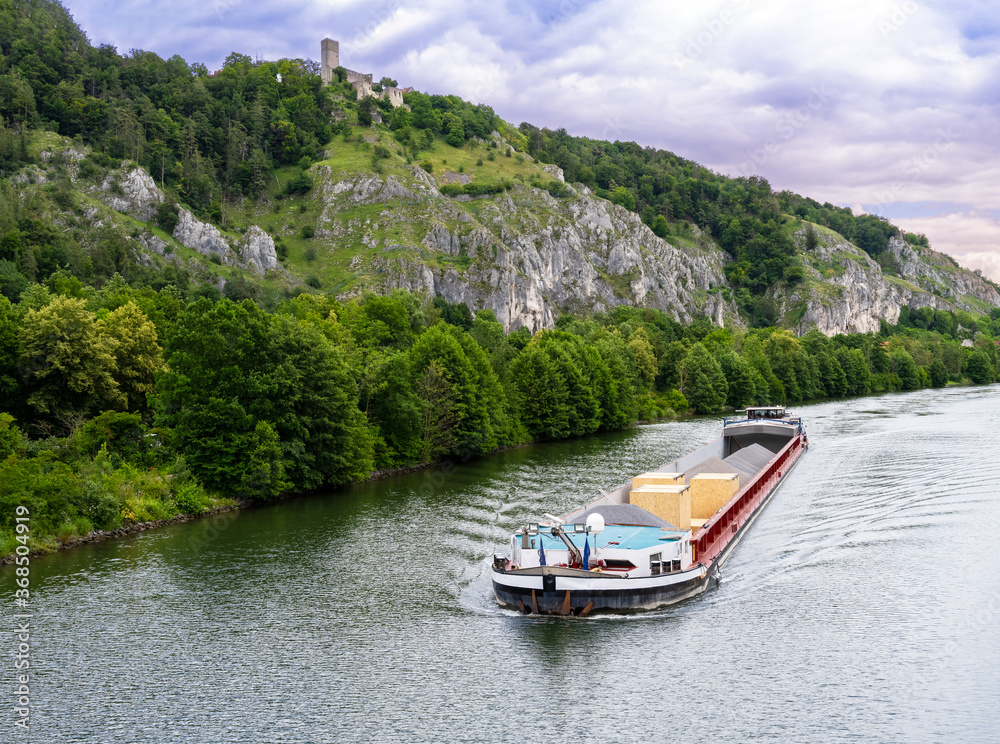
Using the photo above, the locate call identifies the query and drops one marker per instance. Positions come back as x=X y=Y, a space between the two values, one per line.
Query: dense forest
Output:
x=124 y=404
x=130 y=394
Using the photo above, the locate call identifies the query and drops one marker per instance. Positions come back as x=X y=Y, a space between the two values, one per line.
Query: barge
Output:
x=659 y=539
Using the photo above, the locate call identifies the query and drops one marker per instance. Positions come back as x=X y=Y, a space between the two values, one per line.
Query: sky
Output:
x=885 y=106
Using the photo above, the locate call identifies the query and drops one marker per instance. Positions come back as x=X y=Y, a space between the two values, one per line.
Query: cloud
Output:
x=973 y=239
x=843 y=101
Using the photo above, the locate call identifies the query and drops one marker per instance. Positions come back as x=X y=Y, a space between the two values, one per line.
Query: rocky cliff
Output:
x=525 y=254
x=845 y=291
x=530 y=253
x=131 y=191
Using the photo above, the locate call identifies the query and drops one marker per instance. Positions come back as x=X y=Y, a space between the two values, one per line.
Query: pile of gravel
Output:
x=624 y=514
x=750 y=459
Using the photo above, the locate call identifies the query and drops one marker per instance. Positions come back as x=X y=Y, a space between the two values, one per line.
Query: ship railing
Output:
x=716 y=533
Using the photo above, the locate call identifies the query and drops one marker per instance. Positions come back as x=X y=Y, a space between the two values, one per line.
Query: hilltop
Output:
x=260 y=181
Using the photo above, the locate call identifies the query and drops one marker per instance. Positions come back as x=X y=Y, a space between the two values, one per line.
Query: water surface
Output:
x=864 y=605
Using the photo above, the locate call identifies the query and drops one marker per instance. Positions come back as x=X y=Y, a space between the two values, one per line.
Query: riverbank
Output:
x=53 y=543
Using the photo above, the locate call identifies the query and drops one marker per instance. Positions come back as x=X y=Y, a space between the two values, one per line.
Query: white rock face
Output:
x=587 y=254
x=854 y=294
x=257 y=251
x=141 y=195
x=555 y=171
x=936 y=272
x=153 y=243
x=200 y=236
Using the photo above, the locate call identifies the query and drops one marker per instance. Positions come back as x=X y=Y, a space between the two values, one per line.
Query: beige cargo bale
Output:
x=658 y=479
x=710 y=492
x=672 y=503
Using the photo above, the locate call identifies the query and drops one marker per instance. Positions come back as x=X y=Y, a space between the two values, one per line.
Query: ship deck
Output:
x=622 y=536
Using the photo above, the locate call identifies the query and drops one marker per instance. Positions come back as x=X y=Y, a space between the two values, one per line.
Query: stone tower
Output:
x=329 y=59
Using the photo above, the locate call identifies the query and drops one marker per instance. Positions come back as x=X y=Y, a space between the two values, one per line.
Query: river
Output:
x=863 y=605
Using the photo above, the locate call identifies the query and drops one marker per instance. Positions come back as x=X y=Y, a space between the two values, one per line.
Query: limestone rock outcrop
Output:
x=257 y=251
x=200 y=236
x=138 y=195
x=525 y=255
x=847 y=292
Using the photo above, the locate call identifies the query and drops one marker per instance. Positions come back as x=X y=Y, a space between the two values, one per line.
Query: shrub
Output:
x=167 y=215
x=189 y=499
x=310 y=253
x=314 y=282
x=428 y=166
x=475 y=188
x=300 y=184
x=558 y=189
x=307 y=231
x=62 y=194
x=102 y=507
x=88 y=170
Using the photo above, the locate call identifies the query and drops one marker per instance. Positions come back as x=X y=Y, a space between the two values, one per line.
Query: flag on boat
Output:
x=586 y=555
x=541 y=550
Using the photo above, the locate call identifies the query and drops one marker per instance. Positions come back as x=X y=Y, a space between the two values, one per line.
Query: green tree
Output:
x=10 y=352
x=856 y=373
x=978 y=367
x=543 y=395
x=475 y=385
x=782 y=349
x=324 y=435
x=68 y=363
x=138 y=356
x=569 y=363
x=216 y=371
x=938 y=373
x=456 y=133
x=395 y=411
x=668 y=374
x=705 y=385
x=905 y=368
x=440 y=421
x=487 y=330
x=12 y=281
x=740 y=379
x=879 y=358
x=645 y=358
x=10 y=436
x=618 y=390
x=264 y=474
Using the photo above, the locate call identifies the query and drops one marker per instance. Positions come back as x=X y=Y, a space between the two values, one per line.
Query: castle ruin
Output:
x=362 y=82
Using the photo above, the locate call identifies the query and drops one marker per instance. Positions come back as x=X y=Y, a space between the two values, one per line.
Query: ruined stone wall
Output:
x=394 y=96
x=354 y=76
